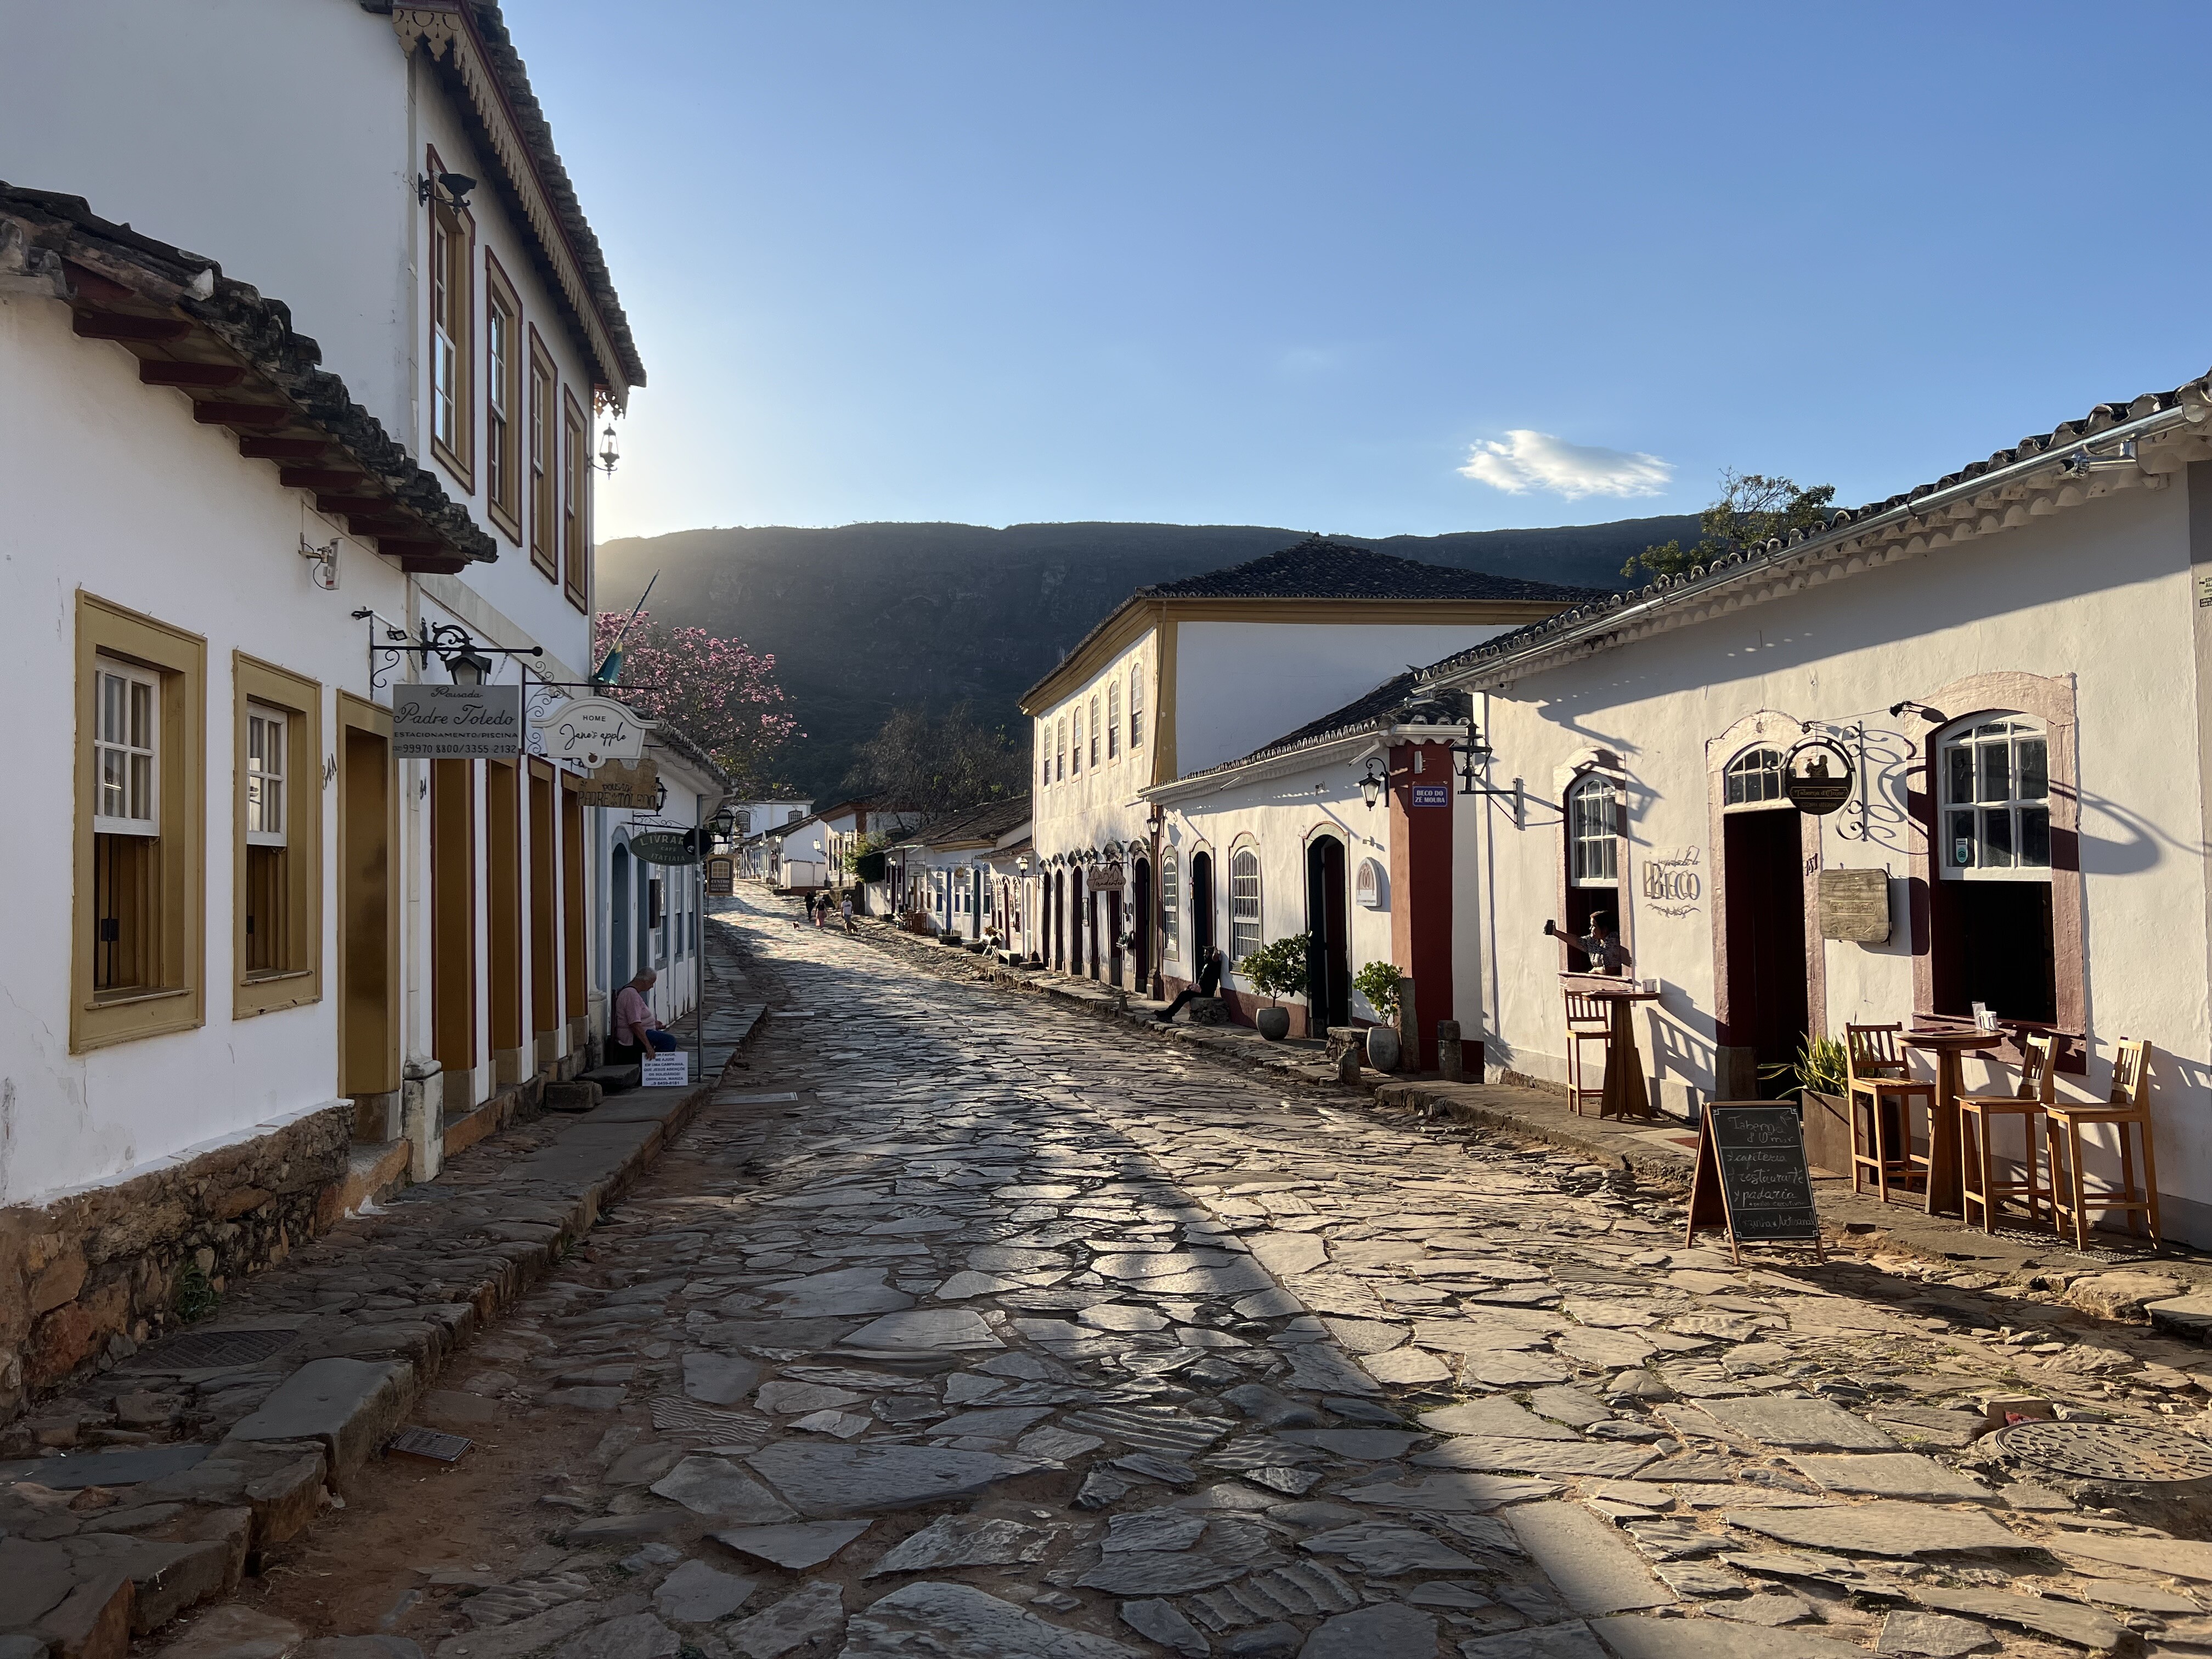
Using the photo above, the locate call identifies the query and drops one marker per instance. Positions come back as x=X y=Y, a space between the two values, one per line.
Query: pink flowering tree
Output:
x=721 y=694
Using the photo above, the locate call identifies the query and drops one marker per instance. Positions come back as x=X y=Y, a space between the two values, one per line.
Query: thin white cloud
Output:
x=1536 y=460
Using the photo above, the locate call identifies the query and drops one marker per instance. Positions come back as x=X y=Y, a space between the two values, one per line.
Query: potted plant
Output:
x=1821 y=1073
x=1378 y=982
x=1275 y=969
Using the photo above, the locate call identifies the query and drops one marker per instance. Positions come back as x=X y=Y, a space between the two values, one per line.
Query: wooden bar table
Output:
x=1624 y=1095
x=1947 y=1043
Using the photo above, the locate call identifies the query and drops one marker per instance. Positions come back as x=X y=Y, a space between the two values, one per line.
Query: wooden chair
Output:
x=1881 y=1085
x=2129 y=1104
x=1588 y=1021
x=1977 y=1115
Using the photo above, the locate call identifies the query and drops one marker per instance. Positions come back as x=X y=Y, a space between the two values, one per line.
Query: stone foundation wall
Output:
x=84 y=1280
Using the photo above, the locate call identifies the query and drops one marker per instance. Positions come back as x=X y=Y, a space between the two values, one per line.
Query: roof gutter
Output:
x=2194 y=409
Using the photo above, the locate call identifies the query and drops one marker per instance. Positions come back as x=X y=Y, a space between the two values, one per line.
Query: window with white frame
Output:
x=126 y=750
x=1997 y=801
x=1171 y=900
x=1113 y=719
x=1243 y=904
x=1079 y=740
x=1755 y=777
x=1094 y=733
x=1060 y=761
x=265 y=729
x=1136 y=705
x=1593 y=848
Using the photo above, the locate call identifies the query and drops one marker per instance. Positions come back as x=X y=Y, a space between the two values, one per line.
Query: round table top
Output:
x=1952 y=1039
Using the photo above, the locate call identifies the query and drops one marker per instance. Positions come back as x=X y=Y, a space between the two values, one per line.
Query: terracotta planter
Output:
x=1382 y=1048
x=1274 y=1023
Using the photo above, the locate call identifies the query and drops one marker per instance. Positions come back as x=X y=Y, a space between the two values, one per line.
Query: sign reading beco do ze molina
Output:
x=456 y=722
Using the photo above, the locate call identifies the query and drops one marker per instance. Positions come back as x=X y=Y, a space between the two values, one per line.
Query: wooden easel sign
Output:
x=1752 y=1178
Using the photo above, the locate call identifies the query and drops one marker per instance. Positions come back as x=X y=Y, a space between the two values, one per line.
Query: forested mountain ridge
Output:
x=865 y=617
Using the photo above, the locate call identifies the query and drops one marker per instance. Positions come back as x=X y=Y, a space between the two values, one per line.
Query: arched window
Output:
x=1171 y=900
x=1136 y=705
x=1079 y=740
x=1060 y=765
x=1754 y=778
x=1243 y=904
x=1094 y=733
x=745 y=821
x=1593 y=832
x=1997 y=801
x=1113 y=719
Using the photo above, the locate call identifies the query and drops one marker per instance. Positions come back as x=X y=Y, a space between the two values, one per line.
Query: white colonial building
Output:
x=305 y=340
x=1186 y=676
x=2005 y=672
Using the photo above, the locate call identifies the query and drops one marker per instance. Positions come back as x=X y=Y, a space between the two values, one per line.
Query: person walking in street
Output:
x=1209 y=984
x=845 y=908
x=814 y=910
x=636 y=1026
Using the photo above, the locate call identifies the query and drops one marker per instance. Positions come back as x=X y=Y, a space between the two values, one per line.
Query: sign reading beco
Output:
x=456 y=722
x=631 y=788
x=591 y=731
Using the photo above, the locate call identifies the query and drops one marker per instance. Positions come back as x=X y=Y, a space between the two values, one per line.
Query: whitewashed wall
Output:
x=114 y=487
x=1280 y=815
x=271 y=135
x=1097 y=803
x=2099 y=594
x=1242 y=685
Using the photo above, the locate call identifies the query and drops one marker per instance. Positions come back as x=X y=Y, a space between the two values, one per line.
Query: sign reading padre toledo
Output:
x=456 y=722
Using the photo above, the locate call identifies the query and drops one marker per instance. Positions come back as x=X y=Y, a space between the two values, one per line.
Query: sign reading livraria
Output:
x=456 y=722
x=591 y=731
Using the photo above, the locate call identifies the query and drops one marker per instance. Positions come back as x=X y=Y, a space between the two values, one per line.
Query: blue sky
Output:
x=1366 y=267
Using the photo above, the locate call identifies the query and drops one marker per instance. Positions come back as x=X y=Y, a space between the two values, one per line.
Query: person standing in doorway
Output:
x=1209 y=984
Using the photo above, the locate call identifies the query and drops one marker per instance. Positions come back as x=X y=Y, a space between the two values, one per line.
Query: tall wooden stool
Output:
x=1977 y=1115
x=1881 y=1085
x=2129 y=1104
x=1588 y=1021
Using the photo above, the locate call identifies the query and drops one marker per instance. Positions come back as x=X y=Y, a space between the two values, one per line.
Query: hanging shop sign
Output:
x=1106 y=878
x=591 y=731
x=456 y=722
x=722 y=874
x=665 y=846
x=624 y=787
x=1819 y=776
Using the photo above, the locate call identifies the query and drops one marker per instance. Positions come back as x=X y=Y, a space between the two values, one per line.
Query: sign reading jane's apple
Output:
x=456 y=722
x=590 y=731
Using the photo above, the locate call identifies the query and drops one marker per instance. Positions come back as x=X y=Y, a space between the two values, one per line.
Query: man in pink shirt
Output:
x=636 y=1025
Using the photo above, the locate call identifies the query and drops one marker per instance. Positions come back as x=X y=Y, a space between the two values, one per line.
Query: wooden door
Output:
x=368 y=920
x=1764 y=867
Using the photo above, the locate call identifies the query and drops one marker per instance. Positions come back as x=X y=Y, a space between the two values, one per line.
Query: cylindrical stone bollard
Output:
x=1409 y=1027
x=1449 y=1064
x=1347 y=1065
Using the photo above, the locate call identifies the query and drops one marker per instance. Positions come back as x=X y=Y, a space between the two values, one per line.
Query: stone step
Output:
x=374 y=1170
x=613 y=1079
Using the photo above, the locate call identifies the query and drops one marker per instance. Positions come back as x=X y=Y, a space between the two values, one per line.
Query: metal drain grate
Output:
x=2109 y=1451
x=197 y=1350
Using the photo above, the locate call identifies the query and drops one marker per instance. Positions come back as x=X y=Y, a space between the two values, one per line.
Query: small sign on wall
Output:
x=456 y=722
x=1854 y=905
x=1431 y=794
x=672 y=1070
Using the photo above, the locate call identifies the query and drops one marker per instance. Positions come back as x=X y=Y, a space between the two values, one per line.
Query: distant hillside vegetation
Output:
x=867 y=617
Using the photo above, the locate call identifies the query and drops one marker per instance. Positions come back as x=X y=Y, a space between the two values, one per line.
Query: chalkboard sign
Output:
x=1751 y=1177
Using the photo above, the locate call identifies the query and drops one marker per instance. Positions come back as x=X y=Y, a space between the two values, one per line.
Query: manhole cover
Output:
x=2109 y=1451
x=197 y=1350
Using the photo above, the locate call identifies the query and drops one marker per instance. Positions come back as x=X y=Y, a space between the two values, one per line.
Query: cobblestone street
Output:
x=958 y=1324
